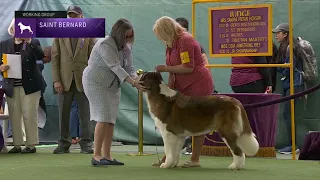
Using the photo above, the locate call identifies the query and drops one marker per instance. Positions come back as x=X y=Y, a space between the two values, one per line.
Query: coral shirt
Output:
x=186 y=50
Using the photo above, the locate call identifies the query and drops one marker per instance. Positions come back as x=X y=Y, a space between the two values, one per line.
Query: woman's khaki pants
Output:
x=24 y=109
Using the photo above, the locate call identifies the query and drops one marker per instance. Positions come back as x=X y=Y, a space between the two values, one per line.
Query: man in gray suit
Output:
x=69 y=57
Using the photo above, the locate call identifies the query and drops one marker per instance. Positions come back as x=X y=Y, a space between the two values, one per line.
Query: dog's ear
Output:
x=158 y=76
x=142 y=76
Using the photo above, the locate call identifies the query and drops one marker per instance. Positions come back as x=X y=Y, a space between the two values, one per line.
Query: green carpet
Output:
x=75 y=166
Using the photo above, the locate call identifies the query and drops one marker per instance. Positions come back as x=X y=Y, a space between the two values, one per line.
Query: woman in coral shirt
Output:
x=188 y=74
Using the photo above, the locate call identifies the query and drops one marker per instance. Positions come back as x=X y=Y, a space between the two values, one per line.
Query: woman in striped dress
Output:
x=109 y=66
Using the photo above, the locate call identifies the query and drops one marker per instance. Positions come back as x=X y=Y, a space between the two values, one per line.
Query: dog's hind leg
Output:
x=238 y=155
x=170 y=147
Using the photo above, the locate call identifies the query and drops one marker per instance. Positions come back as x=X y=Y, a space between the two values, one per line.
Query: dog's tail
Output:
x=247 y=141
x=248 y=144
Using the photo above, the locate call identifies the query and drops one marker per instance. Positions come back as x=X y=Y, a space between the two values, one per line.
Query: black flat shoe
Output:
x=102 y=162
x=28 y=150
x=115 y=162
x=15 y=150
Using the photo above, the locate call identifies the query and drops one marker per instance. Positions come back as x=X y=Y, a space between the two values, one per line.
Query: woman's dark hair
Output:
x=273 y=59
x=273 y=70
x=118 y=31
x=284 y=45
x=183 y=22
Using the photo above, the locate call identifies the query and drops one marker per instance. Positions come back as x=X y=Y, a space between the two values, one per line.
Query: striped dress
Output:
x=108 y=66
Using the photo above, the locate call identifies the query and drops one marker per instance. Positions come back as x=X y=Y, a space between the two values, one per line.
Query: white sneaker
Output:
x=288 y=150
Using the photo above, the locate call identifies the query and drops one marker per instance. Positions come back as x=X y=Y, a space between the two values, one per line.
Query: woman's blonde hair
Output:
x=11 y=28
x=167 y=29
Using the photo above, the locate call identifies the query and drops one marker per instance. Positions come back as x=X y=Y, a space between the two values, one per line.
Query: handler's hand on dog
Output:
x=4 y=67
x=139 y=86
x=161 y=68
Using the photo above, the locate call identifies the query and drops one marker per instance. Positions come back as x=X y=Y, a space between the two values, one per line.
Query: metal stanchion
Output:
x=140 y=123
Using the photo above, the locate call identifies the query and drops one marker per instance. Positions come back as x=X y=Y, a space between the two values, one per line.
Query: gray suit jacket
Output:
x=110 y=65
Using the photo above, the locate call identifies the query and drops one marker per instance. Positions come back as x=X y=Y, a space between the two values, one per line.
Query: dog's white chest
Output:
x=161 y=126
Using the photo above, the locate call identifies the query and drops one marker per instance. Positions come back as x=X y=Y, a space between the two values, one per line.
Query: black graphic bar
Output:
x=40 y=14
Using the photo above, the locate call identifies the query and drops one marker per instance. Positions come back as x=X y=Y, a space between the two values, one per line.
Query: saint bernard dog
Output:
x=177 y=116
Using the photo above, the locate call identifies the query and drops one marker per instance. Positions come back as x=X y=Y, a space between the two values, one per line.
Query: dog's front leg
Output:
x=179 y=145
x=170 y=142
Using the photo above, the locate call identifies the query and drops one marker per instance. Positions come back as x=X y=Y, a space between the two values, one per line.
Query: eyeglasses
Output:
x=129 y=37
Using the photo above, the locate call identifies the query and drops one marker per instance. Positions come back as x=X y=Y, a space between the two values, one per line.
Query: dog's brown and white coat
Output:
x=177 y=116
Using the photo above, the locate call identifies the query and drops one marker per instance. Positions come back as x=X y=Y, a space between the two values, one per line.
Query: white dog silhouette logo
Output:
x=23 y=27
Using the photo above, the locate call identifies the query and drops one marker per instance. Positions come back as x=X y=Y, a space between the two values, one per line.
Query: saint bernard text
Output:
x=62 y=24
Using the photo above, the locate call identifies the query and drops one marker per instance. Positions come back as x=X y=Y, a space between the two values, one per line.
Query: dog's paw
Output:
x=158 y=163
x=165 y=166
x=235 y=166
x=176 y=162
